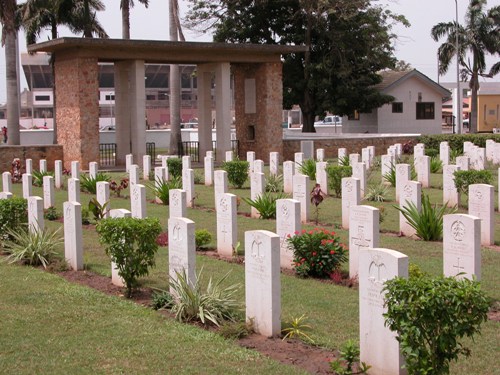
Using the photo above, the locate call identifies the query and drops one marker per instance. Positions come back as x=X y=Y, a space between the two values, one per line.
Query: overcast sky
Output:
x=414 y=44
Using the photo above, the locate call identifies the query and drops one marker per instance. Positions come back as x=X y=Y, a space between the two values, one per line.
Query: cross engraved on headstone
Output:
x=224 y=231
x=223 y=205
x=408 y=190
x=478 y=194
x=348 y=186
x=176 y=233
x=360 y=240
x=175 y=200
x=285 y=212
x=458 y=230
x=376 y=271
x=457 y=266
x=256 y=249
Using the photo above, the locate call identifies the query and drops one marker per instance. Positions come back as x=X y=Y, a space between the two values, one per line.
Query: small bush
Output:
x=38 y=177
x=235 y=330
x=317 y=252
x=465 y=178
x=344 y=161
x=32 y=247
x=274 y=183
x=335 y=175
x=174 y=167
x=297 y=327
x=13 y=213
x=431 y=316
x=266 y=204
x=51 y=214
x=131 y=244
x=162 y=188
x=349 y=356
x=202 y=237
x=428 y=223
x=212 y=305
x=436 y=164
x=98 y=210
x=162 y=300
x=308 y=168
x=377 y=193
x=198 y=178
x=237 y=172
x=432 y=152
x=89 y=184
x=85 y=216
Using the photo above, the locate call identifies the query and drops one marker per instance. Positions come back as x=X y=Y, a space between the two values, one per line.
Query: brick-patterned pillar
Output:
x=77 y=108
x=258 y=108
x=204 y=73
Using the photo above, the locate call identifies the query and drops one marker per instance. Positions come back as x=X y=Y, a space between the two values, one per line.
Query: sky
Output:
x=413 y=45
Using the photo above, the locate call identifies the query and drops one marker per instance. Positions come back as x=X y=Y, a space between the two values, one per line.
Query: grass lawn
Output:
x=54 y=312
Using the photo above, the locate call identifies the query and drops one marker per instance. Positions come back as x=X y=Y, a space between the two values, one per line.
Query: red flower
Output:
x=314 y=253
x=332 y=252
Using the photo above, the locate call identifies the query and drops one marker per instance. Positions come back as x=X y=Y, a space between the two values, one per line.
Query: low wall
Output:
x=51 y=153
x=353 y=143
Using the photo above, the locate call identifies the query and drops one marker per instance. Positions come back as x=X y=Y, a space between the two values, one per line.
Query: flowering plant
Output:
x=317 y=252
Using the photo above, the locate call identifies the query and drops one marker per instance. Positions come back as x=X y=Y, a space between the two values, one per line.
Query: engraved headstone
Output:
x=229 y=155
x=27 y=185
x=257 y=188
x=321 y=176
x=403 y=175
x=354 y=158
x=93 y=169
x=387 y=162
x=301 y=189
x=262 y=282
x=138 y=201
x=451 y=196
x=364 y=233
x=444 y=153
x=463 y=163
x=220 y=185
x=227 y=225
x=188 y=186
x=129 y=160
x=287 y=224
x=115 y=277
x=186 y=162
x=75 y=169
x=258 y=166
x=365 y=157
x=177 y=203
x=481 y=205
x=320 y=154
x=250 y=160
x=359 y=172
x=418 y=150
x=181 y=249
x=351 y=196
x=274 y=163
x=58 y=174
x=299 y=160
x=43 y=166
x=423 y=167
x=102 y=196
x=73 y=241
x=208 y=163
x=73 y=190
x=29 y=166
x=288 y=172
x=341 y=153
x=35 y=214
x=6 y=182
x=133 y=175
x=48 y=192
x=307 y=148
x=146 y=167
x=490 y=149
x=411 y=192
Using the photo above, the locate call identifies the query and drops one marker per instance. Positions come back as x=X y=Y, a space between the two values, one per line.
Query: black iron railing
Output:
x=107 y=154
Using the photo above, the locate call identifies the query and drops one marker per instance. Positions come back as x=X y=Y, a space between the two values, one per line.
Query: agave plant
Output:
x=89 y=184
x=38 y=177
x=344 y=161
x=161 y=188
x=436 y=164
x=297 y=327
x=266 y=204
x=274 y=183
x=377 y=193
x=308 y=168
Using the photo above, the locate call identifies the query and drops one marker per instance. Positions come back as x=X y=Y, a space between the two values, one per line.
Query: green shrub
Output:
x=465 y=178
x=377 y=193
x=131 y=244
x=390 y=176
x=212 y=305
x=85 y=216
x=317 y=252
x=32 y=247
x=265 y=204
x=308 y=168
x=456 y=141
x=349 y=355
x=199 y=178
x=274 y=183
x=174 y=167
x=202 y=237
x=237 y=172
x=51 y=214
x=13 y=213
x=98 y=210
x=432 y=152
x=89 y=184
x=335 y=175
x=428 y=223
x=436 y=164
x=431 y=316
x=344 y=161
x=162 y=300
x=162 y=188
x=38 y=177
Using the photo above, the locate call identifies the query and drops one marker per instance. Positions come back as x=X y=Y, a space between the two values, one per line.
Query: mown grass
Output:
x=332 y=309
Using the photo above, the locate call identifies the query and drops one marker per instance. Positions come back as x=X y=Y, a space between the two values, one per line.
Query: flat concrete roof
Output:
x=157 y=51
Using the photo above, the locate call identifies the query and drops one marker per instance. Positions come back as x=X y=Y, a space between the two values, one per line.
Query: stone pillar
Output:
x=122 y=111
x=77 y=107
x=223 y=109
x=138 y=109
x=258 y=108
x=204 y=72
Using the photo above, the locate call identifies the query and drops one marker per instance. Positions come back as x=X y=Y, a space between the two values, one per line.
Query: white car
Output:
x=330 y=120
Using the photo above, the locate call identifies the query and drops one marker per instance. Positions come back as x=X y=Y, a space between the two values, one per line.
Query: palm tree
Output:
x=8 y=19
x=125 y=6
x=175 y=80
x=479 y=35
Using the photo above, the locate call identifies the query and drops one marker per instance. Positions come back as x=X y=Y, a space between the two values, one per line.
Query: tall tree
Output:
x=8 y=19
x=479 y=35
x=125 y=6
x=176 y=34
x=348 y=42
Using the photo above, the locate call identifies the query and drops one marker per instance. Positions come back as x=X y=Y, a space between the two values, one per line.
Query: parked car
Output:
x=107 y=128
x=330 y=120
x=189 y=125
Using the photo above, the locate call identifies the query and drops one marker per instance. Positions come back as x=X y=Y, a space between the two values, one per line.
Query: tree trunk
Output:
x=126 y=19
x=175 y=86
x=13 y=133
x=474 y=86
x=306 y=106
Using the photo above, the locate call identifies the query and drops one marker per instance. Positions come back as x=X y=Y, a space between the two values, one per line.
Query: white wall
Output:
x=367 y=123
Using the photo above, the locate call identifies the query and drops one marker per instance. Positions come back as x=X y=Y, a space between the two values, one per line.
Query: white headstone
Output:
x=58 y=174
x=227 y=225
x=481 y=205
x=287 y=224
x=321 y=176
x=27 y=185
x=257 y=188
x=364 y=232
x=164 y=164
x=29 y=166
x=378 y=344
x=181 y=249
x=351 y=196
x=208 y=163
x=387 y=161
x=419 y=150
x=6 y=195
x=354 y=158
x=75 y=169
x=102 y=196
x=177 y=203
x=210 y=154
x=133 y=175
x=274 y=163
x=480 y=157
x=444 y=153
x=299 y=160
x=73 y=241
x=341 y=153
x=258 y=166
x=73 y=190
x=186 y=162
x=129 y=160
x=490 y=149
x=288 y=172
x=496 y=155
x=403 y=175
x=220 y=185
x=43 y=165
x=467 y=146
x=399 y=149
x=463 y=163
x=146 y=167
x=359 y=172
x=371 y=149
x=411 y=192
x=423 y=167
x=250 y=160
x=262 y=282
x=138 y=201
x=320 y=154
x=229 y=155
x=48 y=192
x=115 y=277
x=188 y=186
x=35 y=214
x=93 y=169
x=301 y=189
x=365 y=157
x=6 y=182
x=307 y=148
x=462 y=246
x=451 y=196
x=160 y=178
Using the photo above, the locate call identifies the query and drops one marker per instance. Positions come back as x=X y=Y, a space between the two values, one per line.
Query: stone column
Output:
x=77 y=107
x=204 y=72
x=223 y=109
x=138 y=109
x=122 y=111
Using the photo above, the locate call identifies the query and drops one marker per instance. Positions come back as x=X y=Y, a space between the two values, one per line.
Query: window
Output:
x=353 y=116
x=42 y=98
x=425 y=111
x=397 y=107
x=109 y=97
x=150 y=97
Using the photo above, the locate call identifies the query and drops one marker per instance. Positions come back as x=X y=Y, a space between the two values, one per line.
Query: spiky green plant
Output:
x=344 y=161
x=377 y=193
x=436 y=164
x=89 y=184
x=161 y=188
x=265 y=204
x=274 y=183
x=38 y=177
x=297 y=327
x=308 y=168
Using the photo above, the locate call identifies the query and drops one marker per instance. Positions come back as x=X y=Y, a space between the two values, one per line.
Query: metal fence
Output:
x=107 y=154
x=151 y=151
x=192 y=148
